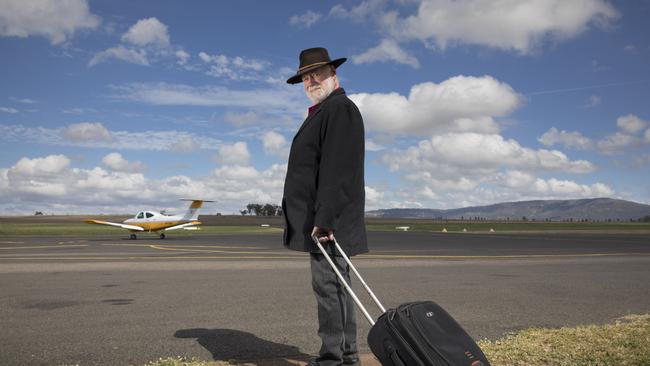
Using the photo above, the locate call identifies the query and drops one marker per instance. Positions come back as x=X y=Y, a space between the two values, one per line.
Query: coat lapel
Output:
x=304 y=124
x=311 y=116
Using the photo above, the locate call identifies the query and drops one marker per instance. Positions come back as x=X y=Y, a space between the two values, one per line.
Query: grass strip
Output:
x=501 y=227
x=61 y=229
x=626 y=342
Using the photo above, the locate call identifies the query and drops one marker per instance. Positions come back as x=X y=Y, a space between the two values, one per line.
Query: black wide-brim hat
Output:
x=311 y=59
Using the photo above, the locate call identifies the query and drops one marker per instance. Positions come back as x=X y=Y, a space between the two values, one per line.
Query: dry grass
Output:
x=626 y=342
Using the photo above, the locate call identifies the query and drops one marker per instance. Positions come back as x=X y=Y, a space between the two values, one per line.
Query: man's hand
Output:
x=323 y=234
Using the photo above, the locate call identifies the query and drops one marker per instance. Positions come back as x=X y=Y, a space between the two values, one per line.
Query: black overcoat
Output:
x=324 y=186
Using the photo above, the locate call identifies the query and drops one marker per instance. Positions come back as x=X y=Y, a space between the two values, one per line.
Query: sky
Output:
x=119 y=106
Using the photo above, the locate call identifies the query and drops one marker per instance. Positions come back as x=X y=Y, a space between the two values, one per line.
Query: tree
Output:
x=243 y=212
x=268 y=210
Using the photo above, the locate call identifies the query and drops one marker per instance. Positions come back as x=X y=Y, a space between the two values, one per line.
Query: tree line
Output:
x=258 y=209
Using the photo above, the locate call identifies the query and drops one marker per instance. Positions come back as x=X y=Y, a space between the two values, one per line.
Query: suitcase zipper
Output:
x=418 y=328
x=442 y=361
x=397 y=334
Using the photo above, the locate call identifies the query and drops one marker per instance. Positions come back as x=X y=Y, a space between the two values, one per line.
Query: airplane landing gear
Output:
x=133 y=237
x=162 y=236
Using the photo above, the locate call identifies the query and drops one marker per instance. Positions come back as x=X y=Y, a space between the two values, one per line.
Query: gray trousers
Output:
x=337 y=326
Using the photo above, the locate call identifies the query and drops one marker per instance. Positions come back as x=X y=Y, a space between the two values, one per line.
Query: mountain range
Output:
x=601 y=209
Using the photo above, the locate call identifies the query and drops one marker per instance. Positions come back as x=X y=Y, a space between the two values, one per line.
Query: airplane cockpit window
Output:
x=149 y=214
x=140 y=215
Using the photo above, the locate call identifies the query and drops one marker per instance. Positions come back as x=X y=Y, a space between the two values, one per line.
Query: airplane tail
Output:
x=193 y=211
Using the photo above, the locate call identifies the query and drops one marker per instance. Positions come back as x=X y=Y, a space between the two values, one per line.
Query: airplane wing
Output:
x=188 y=226
x=123 y=226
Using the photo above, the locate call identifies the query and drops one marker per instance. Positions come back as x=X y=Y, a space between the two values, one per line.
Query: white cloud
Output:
x=78 y=111
x=630 y=48
x=505 y=24
x=366 y=9
x=234 y=68
x=184 y=144
x=375 y=198
x=50 y=185
x=461 y=103
x=596 y=66
x=53 y=19
x=371 y=145
x=646 y=137
x=567 y=139
x=616 y=142
x=275 y=144
x=611 y=144
x=427 y=190
x=87 y=131
x=527 y=184
x=387 y=50
x=23 y=100
x=182 y=57
x=631 y=123
x=138 y=57
x=305 y=20
x=207 y=58
x=145 y=42
x=52 y=164
x=8 y=110
x=95 y=135
x=241 y=119
x=233 y=154
x=148 y=31
x=281 y=99
x=593 y=101
x=117 y=163
x=470 y=155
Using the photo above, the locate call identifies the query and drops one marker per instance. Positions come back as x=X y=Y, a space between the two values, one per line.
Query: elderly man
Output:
x=324 y=195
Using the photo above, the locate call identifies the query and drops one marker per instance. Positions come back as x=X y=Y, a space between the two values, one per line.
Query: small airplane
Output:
x=150 y=221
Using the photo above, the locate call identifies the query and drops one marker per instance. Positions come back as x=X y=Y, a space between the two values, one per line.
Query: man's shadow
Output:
x=237 y=346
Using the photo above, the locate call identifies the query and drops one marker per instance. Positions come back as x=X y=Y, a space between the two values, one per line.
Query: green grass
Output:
x=73 y=228
x=623 y=343
x=501 y=227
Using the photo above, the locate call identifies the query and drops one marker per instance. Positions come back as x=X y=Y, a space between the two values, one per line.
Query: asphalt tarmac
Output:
x=108 y=300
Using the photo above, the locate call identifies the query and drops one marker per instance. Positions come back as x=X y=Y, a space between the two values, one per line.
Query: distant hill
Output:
x=556 y=210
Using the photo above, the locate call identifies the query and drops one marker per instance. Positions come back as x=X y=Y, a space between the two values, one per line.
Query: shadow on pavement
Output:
x=237 y=347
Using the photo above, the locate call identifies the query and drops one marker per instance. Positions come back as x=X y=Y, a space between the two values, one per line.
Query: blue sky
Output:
x=110 y=107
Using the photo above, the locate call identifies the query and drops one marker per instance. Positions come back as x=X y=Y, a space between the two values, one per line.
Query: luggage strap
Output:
x=347 y=286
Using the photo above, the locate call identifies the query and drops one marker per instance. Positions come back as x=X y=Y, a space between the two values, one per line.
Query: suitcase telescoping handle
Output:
x=347 y=286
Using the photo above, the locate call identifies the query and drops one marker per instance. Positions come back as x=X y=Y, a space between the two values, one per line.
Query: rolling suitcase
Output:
x=413 y=334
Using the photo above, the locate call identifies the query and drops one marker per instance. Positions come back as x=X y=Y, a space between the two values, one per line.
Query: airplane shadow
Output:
x=237 y=347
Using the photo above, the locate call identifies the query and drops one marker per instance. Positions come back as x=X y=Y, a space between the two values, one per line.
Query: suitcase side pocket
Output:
x=392 y=353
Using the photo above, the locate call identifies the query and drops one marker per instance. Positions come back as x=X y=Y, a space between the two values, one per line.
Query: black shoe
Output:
x=352 y=361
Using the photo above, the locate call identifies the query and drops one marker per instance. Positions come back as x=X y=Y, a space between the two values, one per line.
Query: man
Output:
x=324 y=195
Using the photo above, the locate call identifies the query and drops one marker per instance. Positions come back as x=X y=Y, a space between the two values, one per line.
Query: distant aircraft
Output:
x=150 y=221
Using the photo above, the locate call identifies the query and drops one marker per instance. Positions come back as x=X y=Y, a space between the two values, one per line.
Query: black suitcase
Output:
x=413 y=334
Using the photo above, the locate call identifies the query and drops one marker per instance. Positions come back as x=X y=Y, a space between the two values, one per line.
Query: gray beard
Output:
x=318 y=95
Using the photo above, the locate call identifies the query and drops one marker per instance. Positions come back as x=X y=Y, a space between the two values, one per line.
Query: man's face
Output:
x=319 y=83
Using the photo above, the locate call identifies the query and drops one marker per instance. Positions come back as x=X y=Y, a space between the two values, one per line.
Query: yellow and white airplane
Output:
x=150 y=221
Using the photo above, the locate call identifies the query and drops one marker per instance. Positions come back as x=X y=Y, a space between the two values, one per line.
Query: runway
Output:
x=383 y=245
x=107 y=300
